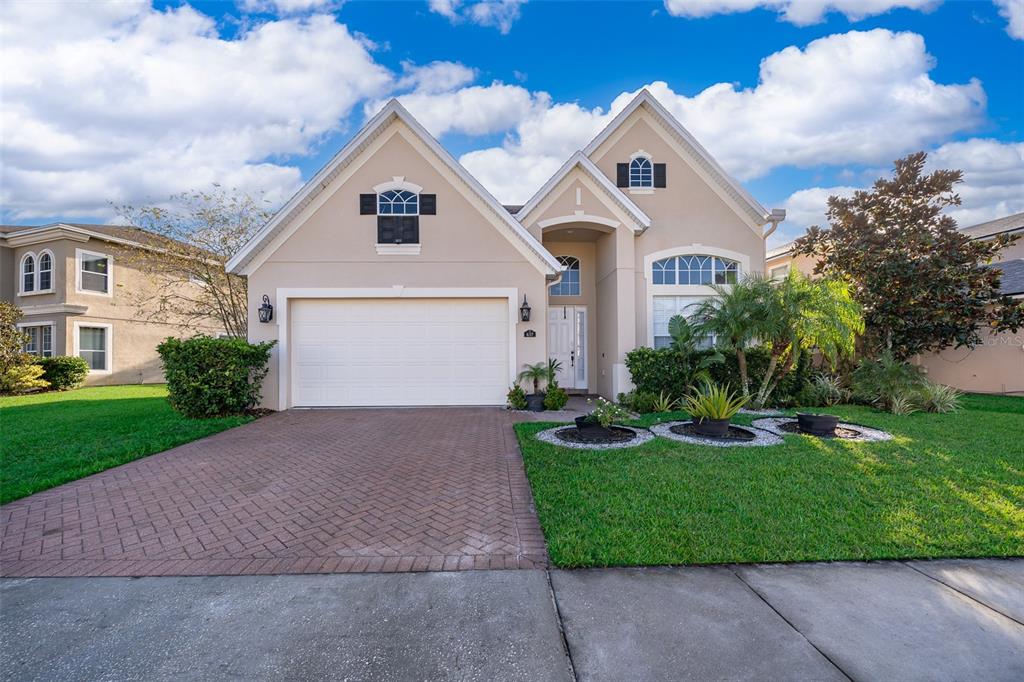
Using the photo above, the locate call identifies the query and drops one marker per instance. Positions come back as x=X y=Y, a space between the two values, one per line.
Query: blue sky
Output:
x=218 y=92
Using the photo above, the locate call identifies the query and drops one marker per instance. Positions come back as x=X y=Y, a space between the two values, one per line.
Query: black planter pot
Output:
x=713 y=428
x=591 y=427
x=817 y=424
x=535 y=402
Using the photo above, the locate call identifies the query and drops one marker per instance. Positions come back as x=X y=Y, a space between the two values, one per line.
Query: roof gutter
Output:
x=774 y=218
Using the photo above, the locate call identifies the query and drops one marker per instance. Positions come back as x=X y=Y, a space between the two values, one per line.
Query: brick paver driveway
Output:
x=303 y=491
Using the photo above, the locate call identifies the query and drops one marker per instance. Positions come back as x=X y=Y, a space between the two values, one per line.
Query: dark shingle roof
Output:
x=991 y=228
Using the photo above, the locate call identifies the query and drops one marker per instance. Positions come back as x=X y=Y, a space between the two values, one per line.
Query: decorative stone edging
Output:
x=641 y=436
x=761 y=437
x=867 y=434
x=762 y=413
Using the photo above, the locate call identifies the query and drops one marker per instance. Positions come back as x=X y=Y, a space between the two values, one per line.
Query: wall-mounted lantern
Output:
x=524 y=310
x=266 y=311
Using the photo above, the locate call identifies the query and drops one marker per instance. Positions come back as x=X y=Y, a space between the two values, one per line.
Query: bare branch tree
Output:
x=189 y=243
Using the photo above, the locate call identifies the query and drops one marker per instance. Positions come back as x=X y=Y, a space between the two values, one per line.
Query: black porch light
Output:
x=524 y=310
x=266 y=311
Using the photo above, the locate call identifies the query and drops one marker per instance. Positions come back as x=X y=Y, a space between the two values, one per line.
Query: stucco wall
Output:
x=335 y=247
x=996 y=366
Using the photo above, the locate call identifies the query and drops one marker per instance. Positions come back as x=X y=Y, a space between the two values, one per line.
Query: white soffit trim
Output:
x=642 y=220
x=243 y=261
x=722 y=181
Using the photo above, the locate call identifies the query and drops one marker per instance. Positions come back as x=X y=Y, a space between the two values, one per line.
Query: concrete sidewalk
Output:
x=942 y=620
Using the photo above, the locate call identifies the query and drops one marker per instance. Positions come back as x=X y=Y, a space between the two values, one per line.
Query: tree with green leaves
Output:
x=799 y=315
x=922 y=283
x=734 y=317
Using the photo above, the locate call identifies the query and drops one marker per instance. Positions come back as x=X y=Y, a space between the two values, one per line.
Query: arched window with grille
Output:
x=570 y=283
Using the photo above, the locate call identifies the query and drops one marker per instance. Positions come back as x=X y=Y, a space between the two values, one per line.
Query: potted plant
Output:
x=536 y=373
x=712 y=408
x=598 y=423
x=817 y=424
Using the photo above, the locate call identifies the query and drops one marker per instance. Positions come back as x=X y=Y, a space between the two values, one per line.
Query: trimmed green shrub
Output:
x=516 y=398
x=208 y=377
x=655 y=371
x=64 y=372
x=555 y=398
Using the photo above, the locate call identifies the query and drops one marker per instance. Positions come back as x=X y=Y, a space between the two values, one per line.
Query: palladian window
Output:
x=695 y=269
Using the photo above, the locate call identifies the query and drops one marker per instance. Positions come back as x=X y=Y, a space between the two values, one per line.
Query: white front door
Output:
x=567 y=343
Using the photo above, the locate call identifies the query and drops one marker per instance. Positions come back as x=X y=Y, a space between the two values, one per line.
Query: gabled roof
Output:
x=580 y=160
x=1012 y=282
x=375 y=126
x=1010 y=223
x=721 y=181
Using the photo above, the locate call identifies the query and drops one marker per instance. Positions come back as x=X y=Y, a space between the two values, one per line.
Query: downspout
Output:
x=774 y=218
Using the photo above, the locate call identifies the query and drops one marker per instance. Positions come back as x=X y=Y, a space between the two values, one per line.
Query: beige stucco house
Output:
x=995 y=366
x=78 y=286
x=397 y=279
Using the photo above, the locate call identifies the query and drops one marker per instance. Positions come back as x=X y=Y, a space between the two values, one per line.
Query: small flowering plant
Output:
x=605 y=413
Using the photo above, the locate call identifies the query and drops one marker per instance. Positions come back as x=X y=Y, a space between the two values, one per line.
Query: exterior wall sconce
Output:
x=524 y=310
x=266 y=310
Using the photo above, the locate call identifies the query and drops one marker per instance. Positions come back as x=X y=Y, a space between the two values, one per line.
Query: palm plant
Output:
x=736 y=318
x=534 y=373
x=804 y=314
x=686 y=341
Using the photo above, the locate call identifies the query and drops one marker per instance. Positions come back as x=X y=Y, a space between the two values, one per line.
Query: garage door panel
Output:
x=351 y=352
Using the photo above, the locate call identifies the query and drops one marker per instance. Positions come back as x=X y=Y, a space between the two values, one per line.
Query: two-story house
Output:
x=397 y=279
x=78 y=286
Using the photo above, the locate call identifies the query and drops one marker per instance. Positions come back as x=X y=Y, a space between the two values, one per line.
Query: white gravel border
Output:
x=767 y=412
x=642 y=436
x=761 y=439
x=867 y=434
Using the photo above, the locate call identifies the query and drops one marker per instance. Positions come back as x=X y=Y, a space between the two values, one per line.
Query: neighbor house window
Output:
x=45 y=271
x=570 y=283
x=28 y=273
x=94 y=346
x=398 y=217
x=93 y=272
x=695 y=269
x=641 y=172
x=40 y=340
x=780 y=272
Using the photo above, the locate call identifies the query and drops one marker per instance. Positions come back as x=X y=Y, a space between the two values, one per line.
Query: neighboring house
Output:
x=995 y=366
x=75 y=284
x=397 y=279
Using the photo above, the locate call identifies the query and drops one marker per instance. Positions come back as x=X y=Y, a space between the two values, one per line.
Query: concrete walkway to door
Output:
x=302 y=491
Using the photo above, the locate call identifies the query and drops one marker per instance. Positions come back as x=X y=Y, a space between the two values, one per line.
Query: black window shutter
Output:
x=367 y=204
x=428 y=204
x=622 y=175
x=659 y=175
x=398 y=229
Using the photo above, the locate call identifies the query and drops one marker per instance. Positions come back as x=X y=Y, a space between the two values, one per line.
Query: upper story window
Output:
x=94 y=272
x=28 y=273
x=695 y=269
x=570 y=282
x=641 y=172
x=398 y=206
x=45 y=271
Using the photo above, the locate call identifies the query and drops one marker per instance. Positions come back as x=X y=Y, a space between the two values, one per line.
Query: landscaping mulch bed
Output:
x=569 y=437
x=738 y=436
x=844 y=431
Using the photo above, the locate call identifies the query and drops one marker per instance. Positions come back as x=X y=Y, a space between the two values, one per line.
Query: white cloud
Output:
x=799 y=12
x=132 y=104
x=1013 y=12
x=500 y=14
x=992 y=187
x=436 y=76
x=852 y=98
x=287 y=6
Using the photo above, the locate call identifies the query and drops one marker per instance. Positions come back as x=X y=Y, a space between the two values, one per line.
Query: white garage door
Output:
x=367 y=352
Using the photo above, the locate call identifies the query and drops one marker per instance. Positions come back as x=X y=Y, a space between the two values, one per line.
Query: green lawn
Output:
x=948 y=485
x=51 y=438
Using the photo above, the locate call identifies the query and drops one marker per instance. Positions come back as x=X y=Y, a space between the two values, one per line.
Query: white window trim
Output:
x=399 y=249
x=78 y=273
x=110 y=343
x=36 y=291
x=641 y=189
x=283 y=295
x=683 y=289
x=53 y=334
x=398 y=182
x=579 y=262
